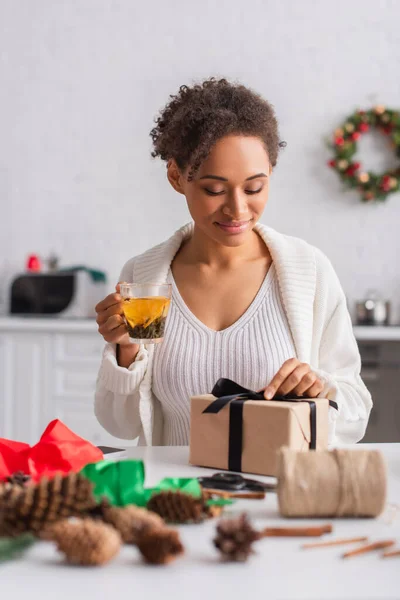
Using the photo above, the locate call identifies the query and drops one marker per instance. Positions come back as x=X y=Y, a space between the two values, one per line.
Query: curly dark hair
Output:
x=198 y=116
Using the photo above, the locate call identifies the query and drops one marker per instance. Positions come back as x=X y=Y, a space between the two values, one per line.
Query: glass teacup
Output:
x=145 y=307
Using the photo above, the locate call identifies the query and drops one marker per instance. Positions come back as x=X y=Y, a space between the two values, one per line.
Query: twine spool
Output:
x=336 y=483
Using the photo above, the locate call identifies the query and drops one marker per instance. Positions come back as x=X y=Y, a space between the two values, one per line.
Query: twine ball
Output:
x=336 y=483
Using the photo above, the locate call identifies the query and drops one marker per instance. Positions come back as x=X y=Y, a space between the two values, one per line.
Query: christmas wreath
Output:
x=372 y=186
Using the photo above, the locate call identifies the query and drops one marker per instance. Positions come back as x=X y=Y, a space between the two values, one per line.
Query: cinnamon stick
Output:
x=225 y=494
x=315 y=531
x=338 y=542
x=391 y=553
x=369 y=548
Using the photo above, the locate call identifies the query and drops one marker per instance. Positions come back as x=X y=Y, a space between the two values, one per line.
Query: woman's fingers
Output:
x=307 y=381
x=315 y=390
x=286 y=369
x=302 y=371
x=116 y=336
x=296 y=378
x=109 y=318
x=112 y=323
x=108 y=301
x=103 y=316
x=114 y=329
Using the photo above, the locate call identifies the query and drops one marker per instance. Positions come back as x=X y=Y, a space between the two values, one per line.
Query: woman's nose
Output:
x=235 y=206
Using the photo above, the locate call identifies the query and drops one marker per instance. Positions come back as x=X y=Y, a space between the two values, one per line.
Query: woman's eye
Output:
x=211 y=193
x=253 y=191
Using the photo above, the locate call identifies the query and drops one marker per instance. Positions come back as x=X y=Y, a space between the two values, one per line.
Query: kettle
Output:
x=374 y=310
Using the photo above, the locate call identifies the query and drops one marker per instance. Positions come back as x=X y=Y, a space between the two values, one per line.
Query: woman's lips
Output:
x=233 y=227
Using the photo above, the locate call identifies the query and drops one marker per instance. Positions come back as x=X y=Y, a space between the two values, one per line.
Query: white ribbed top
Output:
x=320 y=324
x=193 y=357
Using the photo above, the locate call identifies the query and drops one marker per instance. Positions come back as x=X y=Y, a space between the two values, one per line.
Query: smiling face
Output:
x=229 y=192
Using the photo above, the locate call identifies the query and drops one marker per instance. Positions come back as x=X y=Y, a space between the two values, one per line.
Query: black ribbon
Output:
x=230 y=392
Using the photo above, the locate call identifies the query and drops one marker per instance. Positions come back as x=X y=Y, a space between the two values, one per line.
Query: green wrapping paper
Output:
x=122 y=483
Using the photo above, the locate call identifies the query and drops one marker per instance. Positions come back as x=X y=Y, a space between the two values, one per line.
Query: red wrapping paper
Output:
x=59 y=450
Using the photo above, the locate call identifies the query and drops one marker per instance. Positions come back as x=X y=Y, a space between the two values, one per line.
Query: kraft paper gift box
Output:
x=236 y=429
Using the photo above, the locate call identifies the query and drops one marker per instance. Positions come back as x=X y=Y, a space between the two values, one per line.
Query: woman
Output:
x=248 y=303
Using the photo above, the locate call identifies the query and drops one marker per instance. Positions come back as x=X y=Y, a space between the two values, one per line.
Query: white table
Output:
x=279 y=570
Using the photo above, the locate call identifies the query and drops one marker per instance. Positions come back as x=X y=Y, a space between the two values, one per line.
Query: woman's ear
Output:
x=175 y=176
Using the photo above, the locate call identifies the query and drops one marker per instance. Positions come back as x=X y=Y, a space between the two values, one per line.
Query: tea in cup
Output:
x=145 y=307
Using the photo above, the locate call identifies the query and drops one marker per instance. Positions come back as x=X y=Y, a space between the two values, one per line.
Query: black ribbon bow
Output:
x=230 y=392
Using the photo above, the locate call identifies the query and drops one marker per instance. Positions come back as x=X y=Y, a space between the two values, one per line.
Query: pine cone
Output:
x=131 y=521
x=177 y=507
x=34 y=506
x=97 y=511
x=18 y=478
x=85 y=541
x=160 y=546
x=235 y=538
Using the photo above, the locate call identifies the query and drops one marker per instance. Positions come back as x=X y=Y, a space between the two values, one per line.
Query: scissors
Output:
x=234 y=483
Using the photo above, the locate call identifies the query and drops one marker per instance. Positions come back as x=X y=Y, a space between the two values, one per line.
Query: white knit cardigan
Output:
x=321 y=327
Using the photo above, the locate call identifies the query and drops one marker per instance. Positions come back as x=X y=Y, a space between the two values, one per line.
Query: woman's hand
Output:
x=110 y=319
x=294 y=377
x=114 y=330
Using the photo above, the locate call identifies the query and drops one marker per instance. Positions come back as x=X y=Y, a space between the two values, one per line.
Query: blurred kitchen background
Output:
x=80 y=84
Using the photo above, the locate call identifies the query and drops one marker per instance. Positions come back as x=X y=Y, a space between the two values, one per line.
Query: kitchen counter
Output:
x=279 y=569
x=387 y=334
x=57 y=325
x=391 y=333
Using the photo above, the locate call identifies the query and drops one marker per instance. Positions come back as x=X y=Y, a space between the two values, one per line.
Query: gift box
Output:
x=236 y=429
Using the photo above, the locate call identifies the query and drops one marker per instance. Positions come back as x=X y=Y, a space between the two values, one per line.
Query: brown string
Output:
x=337 y=483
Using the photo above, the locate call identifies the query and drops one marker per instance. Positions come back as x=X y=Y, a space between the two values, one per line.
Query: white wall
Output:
x=80 y=83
